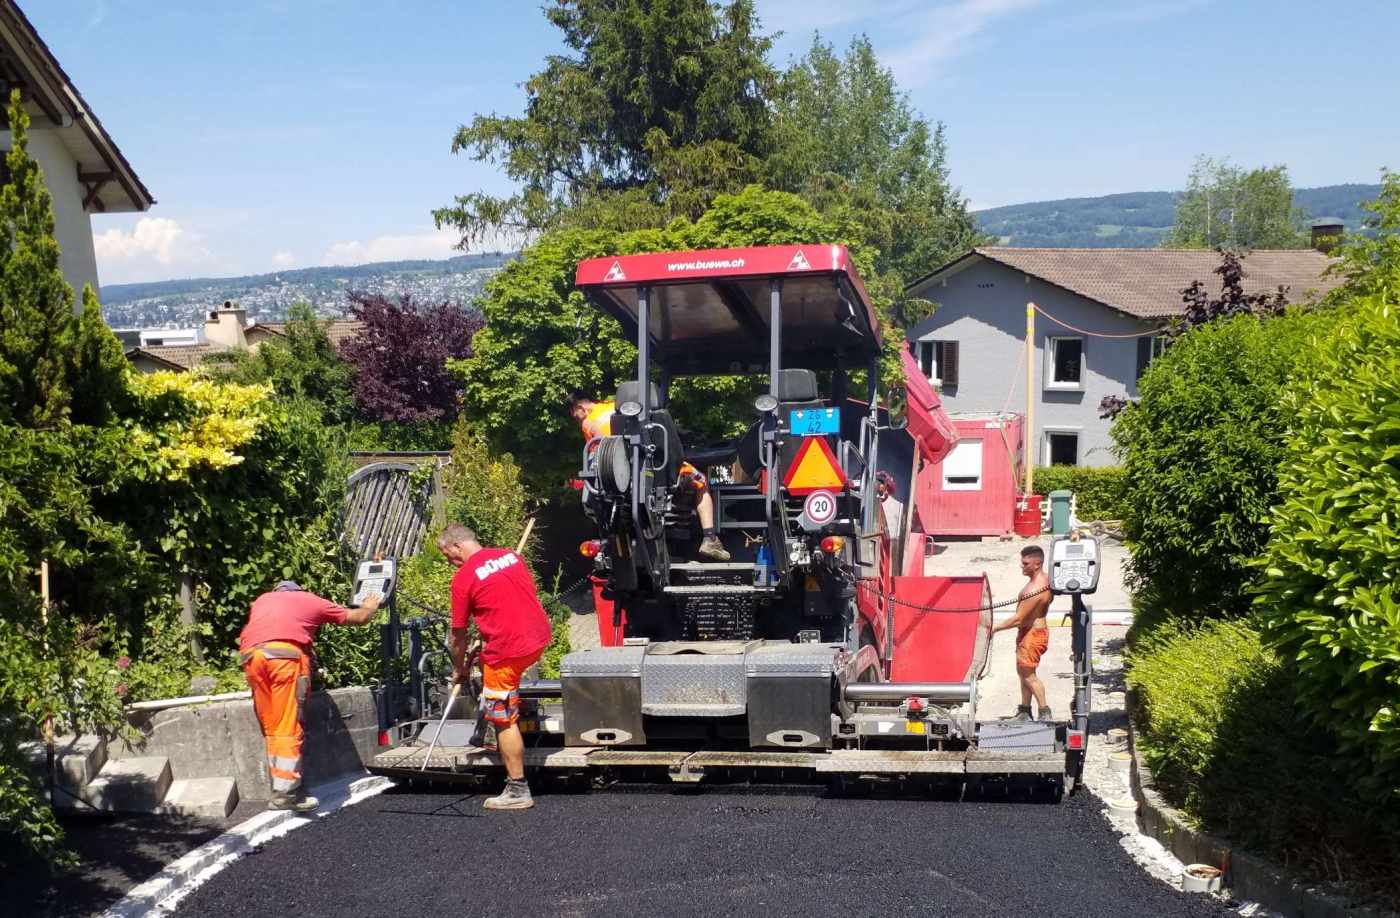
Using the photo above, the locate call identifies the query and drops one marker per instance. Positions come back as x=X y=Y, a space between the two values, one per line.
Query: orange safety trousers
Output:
x=279 y=673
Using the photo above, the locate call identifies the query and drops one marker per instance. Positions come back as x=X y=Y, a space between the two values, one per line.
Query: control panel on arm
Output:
x=1074 y=566
x=373 y=577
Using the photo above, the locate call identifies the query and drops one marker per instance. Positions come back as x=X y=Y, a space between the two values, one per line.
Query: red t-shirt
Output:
x=289 y=615
x=496 y=588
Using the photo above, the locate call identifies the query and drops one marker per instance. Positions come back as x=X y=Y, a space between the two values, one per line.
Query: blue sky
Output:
x=282 y=133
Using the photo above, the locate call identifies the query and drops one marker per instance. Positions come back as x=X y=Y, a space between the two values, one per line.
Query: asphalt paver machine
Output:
x=821 y=650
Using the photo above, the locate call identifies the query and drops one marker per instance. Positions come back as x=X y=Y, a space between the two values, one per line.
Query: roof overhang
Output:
x=111 y=184
x=136 y=352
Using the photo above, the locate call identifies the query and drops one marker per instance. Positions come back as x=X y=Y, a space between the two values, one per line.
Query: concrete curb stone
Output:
x=1247 y=876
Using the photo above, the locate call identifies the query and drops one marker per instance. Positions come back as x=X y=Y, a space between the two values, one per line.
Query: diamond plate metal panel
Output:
x=603 y=661
x=693 y=679
x=791 y=660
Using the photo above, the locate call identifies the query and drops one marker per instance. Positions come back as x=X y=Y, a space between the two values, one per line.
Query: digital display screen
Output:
x=376 y=568
x=1074 y=551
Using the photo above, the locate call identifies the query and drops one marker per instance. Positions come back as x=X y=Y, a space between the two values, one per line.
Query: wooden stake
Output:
x=1030 y=438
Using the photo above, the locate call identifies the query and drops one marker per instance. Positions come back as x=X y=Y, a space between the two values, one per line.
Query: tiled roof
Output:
x=338 y=330
x=1147 y=283
x=184 y=356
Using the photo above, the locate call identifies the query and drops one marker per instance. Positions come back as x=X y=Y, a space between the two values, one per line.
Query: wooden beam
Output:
x=94 y=182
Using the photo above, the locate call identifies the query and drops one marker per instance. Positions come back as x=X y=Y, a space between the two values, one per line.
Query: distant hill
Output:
x=183 y=303
x=1139 y=219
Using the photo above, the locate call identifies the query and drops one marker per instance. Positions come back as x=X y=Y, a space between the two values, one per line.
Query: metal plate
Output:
x=754 y=760
x=874 y=761
x=607 y=757
x=1015 y=763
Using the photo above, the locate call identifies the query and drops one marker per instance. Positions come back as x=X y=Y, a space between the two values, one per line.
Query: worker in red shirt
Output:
x=493 y=586
x=275 y=650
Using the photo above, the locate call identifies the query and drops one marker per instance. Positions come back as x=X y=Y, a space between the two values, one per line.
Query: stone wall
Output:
x=222 y=739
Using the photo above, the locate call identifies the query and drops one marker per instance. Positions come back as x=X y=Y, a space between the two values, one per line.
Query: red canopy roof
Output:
x=709 y=309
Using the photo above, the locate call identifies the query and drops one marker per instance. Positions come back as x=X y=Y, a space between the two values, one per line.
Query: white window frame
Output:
x=1076 y=432
x=949 y=485
x=1159 y=347
x=932 y=344
x=1051 y=343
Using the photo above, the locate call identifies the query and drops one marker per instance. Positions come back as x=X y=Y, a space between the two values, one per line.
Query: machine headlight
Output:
x=629 y=409
x=765 y=403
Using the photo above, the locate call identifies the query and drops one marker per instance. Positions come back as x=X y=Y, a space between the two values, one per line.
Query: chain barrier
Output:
x=918 y=607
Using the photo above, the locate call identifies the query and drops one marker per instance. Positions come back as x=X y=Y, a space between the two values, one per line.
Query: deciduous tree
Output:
x=401 y=355
x=1224 y=205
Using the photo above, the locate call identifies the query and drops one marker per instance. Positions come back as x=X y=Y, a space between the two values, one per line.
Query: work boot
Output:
x=516 y=796
x=712 y=549
x=299 y=803
x=1045 y=715
x=1022 y=715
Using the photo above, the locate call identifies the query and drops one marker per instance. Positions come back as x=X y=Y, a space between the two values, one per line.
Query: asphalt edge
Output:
x=1247 y=876
x=162 y=892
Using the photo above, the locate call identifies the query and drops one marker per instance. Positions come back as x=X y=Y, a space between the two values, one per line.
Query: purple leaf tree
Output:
x=401 y=355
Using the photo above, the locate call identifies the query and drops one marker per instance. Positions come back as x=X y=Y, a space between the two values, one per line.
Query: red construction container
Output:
x=973 y=490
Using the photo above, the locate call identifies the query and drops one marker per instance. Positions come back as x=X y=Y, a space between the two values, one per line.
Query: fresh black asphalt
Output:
x=722 y=851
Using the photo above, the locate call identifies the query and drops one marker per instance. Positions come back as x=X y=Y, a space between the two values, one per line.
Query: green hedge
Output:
x=1329 y=591
x=1100 y=493
x=1218 y=727
x=1200 y=451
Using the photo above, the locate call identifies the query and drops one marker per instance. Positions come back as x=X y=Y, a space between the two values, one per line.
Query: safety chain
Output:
x=890 y=597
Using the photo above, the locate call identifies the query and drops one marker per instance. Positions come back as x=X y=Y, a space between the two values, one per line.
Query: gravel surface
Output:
x=628 y=851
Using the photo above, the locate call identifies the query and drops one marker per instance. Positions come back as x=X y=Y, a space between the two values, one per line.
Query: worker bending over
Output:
x=275 y=650
x=596 y=420
x=1032 y=634
x=493 y=586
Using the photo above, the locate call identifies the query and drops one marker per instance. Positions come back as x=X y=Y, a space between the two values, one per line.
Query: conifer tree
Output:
x=37 y=327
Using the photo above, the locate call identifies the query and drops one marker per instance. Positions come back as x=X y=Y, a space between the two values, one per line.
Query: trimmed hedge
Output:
x=1099 y=493
x=1329 y=592
x=1218 y=726
x=1200 y=452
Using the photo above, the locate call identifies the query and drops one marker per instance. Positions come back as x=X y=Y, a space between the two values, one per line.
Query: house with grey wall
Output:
x=1098 y=325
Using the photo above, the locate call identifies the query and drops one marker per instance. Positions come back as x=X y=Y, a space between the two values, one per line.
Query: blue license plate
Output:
x=813 y=421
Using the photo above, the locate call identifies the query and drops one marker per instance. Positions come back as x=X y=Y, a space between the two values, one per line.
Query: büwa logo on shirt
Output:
x=496 y=564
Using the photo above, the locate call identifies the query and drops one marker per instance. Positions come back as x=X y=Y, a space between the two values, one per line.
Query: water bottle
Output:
x=763 y=566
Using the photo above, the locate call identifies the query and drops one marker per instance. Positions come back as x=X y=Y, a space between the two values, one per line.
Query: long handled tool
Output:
x=446 y=710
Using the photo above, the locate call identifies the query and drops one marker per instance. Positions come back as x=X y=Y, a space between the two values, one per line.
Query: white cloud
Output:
x=283 y=260
x=432 y=244
x=943 y=33
x=159 y=238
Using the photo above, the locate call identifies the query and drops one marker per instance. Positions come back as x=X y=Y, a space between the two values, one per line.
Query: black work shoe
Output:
x=1045 y=715
x=1022 y=715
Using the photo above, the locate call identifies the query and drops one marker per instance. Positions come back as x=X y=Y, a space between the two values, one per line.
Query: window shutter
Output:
x=1144 y=354
x=948 y=363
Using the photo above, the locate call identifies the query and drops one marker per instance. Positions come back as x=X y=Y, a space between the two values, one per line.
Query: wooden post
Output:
x=188 y=617
x=1030 y=399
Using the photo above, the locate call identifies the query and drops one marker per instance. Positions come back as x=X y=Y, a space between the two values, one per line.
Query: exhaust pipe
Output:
x=936 y=692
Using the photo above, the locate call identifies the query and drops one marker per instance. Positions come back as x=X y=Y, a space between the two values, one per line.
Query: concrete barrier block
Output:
x=135 y=785
x=207 y=798
x=79 y=758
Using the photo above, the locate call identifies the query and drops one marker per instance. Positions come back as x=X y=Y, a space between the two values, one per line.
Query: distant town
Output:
x=185 y=303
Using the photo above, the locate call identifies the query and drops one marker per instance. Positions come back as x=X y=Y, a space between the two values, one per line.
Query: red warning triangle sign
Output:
x=813 y=468
x=799 y=262
x=615 y=273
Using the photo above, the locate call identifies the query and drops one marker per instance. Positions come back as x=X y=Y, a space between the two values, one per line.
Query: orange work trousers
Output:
x=279 y=673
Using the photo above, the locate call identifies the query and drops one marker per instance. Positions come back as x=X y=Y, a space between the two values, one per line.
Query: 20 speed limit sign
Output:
x=819 y=508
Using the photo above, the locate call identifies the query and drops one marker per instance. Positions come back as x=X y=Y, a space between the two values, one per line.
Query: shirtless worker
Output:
x=493 y=586
x=596 y=420
x=275 y=650
x=1032 y=634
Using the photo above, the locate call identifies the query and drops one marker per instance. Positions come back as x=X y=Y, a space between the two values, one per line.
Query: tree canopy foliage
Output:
x=662 y=107
x=400 y=357
x=1224 y=205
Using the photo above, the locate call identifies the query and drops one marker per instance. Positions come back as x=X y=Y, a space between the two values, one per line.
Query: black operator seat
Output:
x=675 y=452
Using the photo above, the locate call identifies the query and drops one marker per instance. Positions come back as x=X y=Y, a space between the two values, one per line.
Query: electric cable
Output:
x=1064 y=324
